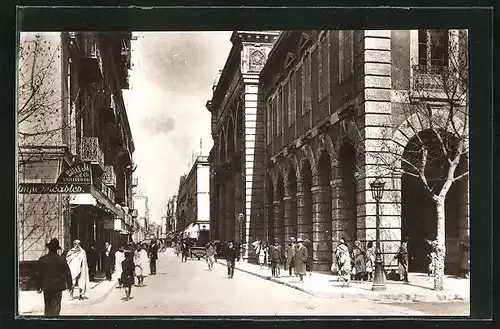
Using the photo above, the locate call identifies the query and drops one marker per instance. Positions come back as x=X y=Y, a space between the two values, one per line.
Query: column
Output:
x=340 y=212
x=303 y=215
x=237 y=206
x=221 y=220
x=377 y=120
x=321 y=236
x=254 y=163
x=229 y=225
x=290 y=206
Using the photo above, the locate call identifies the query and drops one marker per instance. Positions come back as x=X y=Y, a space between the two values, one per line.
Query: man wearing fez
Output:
x=53 y=277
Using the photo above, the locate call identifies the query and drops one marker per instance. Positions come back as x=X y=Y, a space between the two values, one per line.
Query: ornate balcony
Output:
x=91 y=151
x=109 y=177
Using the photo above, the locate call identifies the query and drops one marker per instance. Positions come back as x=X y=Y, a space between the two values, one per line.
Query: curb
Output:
x=76 y=305
x=402 y=297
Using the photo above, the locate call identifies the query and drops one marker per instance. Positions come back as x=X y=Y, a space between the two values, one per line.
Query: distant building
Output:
x=141 y=204
x=193 y=202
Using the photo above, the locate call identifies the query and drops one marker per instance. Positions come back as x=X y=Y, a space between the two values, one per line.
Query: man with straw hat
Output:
x=53 y=277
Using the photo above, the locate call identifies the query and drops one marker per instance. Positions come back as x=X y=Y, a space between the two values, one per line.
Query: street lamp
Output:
x=377 y=192
x=241 y=217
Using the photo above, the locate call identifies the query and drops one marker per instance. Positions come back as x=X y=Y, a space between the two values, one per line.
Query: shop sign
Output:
x=76 y=179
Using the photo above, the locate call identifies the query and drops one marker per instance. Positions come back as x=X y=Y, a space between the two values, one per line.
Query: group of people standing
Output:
x=296 y=256
x=134 y=262
x=70 y=270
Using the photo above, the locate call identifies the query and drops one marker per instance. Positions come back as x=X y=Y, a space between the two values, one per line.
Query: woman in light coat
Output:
x=141 y=262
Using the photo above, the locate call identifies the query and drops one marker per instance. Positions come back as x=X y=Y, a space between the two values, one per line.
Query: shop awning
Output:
x=192 y=231
x=82 y=199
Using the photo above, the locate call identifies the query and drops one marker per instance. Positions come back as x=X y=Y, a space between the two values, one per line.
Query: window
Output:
x=286 y=103
x=315 y=71
x=275 y=116
x=279 y=112
x=269 y=116
x=306 y=85
x=298 y=88
x=346 y=55
x=291 y=102
x=433 y=47
x=325 y=72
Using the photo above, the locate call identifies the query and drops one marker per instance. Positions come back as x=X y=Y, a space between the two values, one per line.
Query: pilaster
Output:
x=321 y=240
x=304 y=220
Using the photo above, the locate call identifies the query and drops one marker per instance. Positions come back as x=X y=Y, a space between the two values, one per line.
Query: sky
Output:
x=170 y=82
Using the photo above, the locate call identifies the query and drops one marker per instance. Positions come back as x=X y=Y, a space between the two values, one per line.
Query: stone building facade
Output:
x=331 y=100
x=237 y=157
x=193 y=201
x=78 y=115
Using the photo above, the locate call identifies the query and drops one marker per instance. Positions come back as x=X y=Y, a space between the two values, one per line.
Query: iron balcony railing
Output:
x=91 y=151
x=109 y=177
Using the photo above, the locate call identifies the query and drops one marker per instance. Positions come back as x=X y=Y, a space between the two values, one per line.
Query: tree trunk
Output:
x=441 y=244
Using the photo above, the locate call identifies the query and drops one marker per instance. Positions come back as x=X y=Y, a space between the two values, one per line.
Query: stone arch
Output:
x=416 y=124
x=325 y=144
x=306 y=153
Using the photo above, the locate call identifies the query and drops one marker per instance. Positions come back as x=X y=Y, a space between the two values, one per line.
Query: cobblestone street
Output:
x=190 y=289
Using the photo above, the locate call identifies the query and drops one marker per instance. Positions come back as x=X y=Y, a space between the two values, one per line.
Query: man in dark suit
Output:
x=53 y=277
x=153 y=256
x=107 y=260
x=232 y=254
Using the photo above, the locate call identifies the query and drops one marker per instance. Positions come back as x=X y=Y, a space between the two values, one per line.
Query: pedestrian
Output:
x=359 y=261
x=106 y=260
x=301 y=256
x=153 y=256
x=77 y=262
x=232 y=254
x=370 y=260
x=92 y=260
x=184 y=251
x=343 y=260
x=275 y=252
x=402 y=257
x=210 y=256
x=464 y=267
x=119 y=258
x=290 y=255
x=261 y=251
x=141 y=264
x=308 y=245
x=53 y=276
x=127 y=275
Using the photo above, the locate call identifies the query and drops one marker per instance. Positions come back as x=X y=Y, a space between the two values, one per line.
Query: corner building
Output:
x=308 y=178
x=237 y=157
x=316 y=84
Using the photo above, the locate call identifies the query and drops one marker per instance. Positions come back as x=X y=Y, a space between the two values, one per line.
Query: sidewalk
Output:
x=31 y=303
x=420 y=288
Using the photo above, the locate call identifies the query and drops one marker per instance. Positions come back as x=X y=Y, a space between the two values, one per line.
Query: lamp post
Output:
x=377 y=192
x=241 y=217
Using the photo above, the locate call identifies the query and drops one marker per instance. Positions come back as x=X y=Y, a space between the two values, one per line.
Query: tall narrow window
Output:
x=291 y=103
x=315 y=71
x=346 y=55
x=325 y=71
x=278 y=113
x=269 y=121
x=298 y=87
x=306 y=94
x=433 y=47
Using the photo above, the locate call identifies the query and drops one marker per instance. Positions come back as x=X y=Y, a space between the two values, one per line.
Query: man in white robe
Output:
x=77 y=262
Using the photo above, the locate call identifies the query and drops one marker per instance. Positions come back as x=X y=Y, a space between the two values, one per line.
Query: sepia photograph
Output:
x=243 y=173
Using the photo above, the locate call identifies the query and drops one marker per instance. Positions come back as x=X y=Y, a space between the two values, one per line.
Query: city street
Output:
x=190 y=289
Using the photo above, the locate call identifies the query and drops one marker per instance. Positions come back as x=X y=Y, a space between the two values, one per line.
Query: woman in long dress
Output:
x=370 y=260
x=343 y=263
x=77 y=262
x=402 y=257
x=127 y=275
x=119 y=258
x=141 y=262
